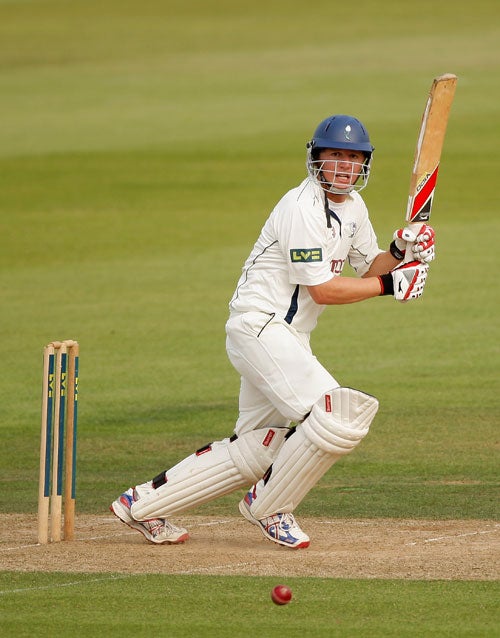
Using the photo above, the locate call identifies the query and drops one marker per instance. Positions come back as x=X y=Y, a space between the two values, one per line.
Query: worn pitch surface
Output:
x=375 y=548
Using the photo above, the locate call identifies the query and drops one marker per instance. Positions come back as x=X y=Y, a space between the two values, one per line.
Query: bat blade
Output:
x=429 y=147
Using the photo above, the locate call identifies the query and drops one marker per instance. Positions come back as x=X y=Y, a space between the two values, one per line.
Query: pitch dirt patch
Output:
x=381 y=548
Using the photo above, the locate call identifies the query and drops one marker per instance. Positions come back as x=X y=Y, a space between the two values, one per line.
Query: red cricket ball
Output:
x=281 y=595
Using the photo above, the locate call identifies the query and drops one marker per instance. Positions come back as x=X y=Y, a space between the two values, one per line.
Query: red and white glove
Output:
x=406 y=281
x=422 y=243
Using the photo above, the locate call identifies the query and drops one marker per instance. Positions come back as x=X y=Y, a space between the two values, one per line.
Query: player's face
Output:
x=340 y=167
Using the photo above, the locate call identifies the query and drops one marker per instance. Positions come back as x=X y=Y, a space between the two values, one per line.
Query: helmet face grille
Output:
x=341 y=177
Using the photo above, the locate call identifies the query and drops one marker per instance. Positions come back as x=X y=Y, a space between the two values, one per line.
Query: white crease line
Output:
x=343 y=522
x=200 y=570
x=113 y=535
x=103 y=536
x=10 y=549
x=442 y=538
x=222 y=522
x=56 y=585
x=88 y=538
x=125 y=533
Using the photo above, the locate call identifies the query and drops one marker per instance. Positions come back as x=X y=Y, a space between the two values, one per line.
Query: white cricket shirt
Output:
x=296 y=248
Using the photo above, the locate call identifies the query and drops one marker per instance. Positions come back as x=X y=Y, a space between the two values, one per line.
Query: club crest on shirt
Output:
x=351 y=228
x=306 y=254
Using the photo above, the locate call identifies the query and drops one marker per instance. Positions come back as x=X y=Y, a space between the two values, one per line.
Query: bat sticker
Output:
x=421 y=203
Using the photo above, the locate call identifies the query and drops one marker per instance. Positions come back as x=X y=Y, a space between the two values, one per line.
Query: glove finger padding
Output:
x=403 y=235
x=423 y=247
x=409 y=280
x=400 y=239
x=424 y=252
x=421 y=244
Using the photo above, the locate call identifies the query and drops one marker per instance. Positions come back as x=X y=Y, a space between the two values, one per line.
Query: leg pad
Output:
x=215 y=470
x=335 y=426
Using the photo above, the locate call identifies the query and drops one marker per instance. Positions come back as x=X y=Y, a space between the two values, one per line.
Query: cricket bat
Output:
x=428 y=151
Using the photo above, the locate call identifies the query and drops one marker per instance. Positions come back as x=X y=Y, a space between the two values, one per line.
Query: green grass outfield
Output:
x=142 y=146
x=206 y=606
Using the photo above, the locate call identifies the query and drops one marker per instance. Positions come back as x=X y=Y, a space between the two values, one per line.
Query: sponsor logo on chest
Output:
x=306 y=254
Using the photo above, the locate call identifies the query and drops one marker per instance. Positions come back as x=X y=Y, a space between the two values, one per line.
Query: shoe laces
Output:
x=155 y=526
x=284 y=521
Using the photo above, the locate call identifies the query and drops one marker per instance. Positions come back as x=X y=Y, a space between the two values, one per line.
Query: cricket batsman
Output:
x=295 y=418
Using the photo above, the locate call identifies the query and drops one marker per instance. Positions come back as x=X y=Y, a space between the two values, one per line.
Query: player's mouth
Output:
x=343 y=178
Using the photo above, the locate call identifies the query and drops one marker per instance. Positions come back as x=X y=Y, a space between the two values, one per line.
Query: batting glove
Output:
x=405 y=282
x=422 y=243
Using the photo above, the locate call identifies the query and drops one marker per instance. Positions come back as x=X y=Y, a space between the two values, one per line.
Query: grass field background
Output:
x=142 y=146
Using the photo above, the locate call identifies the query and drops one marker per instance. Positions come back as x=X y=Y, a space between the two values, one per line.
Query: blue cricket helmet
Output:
x=342 y=131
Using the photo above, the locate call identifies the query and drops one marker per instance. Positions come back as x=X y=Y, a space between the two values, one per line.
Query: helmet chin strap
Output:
x=331 y=213
x=327 y=212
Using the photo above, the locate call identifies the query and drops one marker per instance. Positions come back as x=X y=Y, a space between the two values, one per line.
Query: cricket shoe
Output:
x=279 y=528
x=156 y=530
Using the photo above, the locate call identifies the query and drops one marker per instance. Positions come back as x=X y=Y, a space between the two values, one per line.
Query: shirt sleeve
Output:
x=364 y=247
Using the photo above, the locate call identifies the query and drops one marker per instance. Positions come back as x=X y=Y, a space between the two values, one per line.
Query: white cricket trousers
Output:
x=281 y=379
